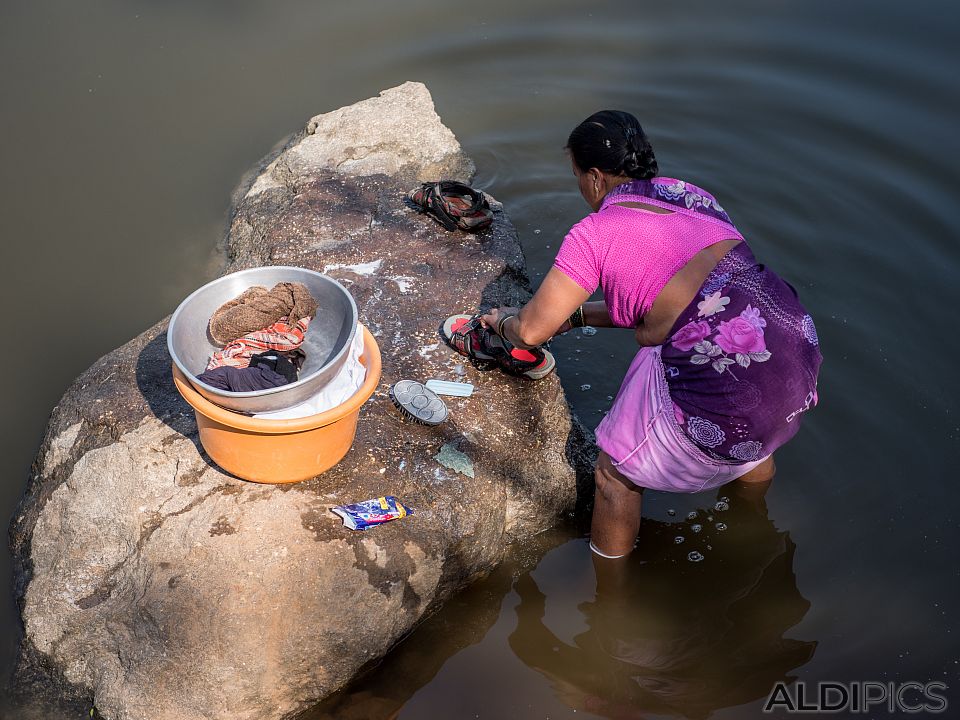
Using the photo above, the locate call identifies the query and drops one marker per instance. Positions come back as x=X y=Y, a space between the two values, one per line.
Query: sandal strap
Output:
x=436 y=203
x=452 y=187
x=462 y=338
x=516 y=366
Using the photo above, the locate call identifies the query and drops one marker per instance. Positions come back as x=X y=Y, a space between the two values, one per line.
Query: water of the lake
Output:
x=828 y=130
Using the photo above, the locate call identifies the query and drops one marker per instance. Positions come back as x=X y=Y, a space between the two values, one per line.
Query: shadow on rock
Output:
x=581 y=453
x=154 y=377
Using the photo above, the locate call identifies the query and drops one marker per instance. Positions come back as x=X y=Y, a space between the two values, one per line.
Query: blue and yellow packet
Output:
x=368 y=513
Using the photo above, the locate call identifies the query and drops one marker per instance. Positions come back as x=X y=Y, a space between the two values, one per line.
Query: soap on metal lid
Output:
x=418 y=403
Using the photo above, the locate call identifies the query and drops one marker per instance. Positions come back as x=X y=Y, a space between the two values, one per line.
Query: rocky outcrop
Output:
x=162 y=588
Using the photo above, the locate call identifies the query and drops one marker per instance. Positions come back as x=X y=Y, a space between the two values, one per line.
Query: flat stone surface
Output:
x=159 y=587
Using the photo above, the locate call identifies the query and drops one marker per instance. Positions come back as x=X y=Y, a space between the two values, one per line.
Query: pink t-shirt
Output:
x=632 y=253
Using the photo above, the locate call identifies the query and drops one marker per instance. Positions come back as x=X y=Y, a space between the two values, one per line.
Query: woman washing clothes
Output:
x=728 y=356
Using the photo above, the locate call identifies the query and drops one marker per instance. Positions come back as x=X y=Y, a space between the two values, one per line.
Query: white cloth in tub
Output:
x=336 y=392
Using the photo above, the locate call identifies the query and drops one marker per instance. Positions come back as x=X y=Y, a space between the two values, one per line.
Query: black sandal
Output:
x=466 y=335
x=453 y=205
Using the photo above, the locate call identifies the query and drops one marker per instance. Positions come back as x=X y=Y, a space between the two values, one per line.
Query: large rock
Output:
x=396 y=133
x=162 y=588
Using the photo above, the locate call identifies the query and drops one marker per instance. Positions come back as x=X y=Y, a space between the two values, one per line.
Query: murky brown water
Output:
x=827 y=129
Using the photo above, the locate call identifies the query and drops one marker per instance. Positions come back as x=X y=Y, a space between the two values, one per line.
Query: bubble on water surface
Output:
x=588 y=331
x=721 y=506
x=721 y=526
x=537 y=231
x=585 y=387
x=692 y=515
x=725 y=499
x=678 y=539
x=695 y=556
x=696 y=528
x=671 y=512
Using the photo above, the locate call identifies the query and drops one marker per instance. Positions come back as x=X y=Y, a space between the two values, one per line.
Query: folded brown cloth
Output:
x=257 y=308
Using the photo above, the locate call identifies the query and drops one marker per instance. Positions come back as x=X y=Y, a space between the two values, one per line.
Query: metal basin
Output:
x=327 y=341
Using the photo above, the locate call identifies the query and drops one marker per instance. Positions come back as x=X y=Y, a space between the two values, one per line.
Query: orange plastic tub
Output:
x=281 y=451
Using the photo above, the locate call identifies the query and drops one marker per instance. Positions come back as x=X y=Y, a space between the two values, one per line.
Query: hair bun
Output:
x=613 y=141
x=632 y=141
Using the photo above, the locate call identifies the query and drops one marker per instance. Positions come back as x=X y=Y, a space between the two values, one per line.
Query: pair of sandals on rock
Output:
x=458 y=206
x=467 y=335
x=454 y=205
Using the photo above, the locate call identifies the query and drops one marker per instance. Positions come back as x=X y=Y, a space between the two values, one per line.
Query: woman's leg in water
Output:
x=763 y=472
x=617 y=504
x=616 y=510
x=615 y=524
x=753 y=485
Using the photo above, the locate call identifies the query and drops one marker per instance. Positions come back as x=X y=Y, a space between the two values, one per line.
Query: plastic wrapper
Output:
x=366 y=514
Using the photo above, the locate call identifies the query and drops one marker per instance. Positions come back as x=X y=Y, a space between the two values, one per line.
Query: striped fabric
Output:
x=279 y=336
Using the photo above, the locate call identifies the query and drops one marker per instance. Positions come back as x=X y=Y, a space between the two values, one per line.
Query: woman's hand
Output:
x=547 y=311
x=491 y=319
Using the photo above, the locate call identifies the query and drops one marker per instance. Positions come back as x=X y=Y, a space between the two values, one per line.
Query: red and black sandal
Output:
x=453 y=205
x=467 y=335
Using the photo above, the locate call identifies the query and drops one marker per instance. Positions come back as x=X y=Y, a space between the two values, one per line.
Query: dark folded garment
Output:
x=246 y=379
x=285 y=363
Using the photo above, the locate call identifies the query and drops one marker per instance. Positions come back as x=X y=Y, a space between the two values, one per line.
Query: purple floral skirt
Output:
x=742 y=360
x=646 y=443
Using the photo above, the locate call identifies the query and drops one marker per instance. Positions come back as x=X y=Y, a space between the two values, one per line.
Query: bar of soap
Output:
x=442 y=387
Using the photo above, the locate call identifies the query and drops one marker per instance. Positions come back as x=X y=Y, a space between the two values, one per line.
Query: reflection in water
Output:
x=665 y=636
x=672 y=637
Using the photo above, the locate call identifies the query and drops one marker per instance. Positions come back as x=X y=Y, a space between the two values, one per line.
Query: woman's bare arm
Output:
x=596 y=314
x=540 y=319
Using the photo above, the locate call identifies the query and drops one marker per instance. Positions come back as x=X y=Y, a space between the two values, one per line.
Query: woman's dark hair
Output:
x=614 y=142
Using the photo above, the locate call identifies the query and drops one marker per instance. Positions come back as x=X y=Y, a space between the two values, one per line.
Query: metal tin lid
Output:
x=418 y=403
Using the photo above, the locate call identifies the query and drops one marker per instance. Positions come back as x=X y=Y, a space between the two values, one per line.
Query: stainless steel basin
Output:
x=327 y=342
